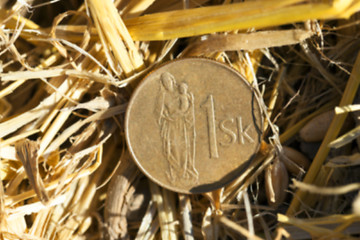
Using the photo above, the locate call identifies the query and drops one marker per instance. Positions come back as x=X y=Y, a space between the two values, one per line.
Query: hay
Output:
x=67 y=71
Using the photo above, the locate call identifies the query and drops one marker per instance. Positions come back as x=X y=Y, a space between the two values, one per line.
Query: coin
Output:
x=193 y=125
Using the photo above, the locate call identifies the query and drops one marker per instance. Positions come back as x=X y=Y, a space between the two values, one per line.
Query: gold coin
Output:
x=193 y=125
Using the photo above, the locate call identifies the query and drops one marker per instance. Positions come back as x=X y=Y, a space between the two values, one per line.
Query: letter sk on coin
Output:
x=193 y=125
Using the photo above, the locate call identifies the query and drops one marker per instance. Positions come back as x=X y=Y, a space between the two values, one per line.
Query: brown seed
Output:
x=317 y=127
x=193 y=124
x=276 y=182
x=295 y=161
x=27 y=152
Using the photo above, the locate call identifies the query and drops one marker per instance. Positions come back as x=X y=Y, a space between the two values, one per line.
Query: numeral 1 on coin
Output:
x=208 y=105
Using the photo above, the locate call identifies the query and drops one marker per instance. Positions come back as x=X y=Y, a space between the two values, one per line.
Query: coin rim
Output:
x=136 y=92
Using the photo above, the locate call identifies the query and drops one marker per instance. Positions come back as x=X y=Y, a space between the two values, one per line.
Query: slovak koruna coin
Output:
x=193 y=125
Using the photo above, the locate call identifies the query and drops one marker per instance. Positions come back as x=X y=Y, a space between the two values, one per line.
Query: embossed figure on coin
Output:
x=177 y=128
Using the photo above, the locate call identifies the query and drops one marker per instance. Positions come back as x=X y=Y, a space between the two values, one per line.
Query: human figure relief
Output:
x=177 y=128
